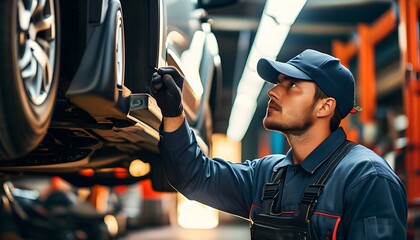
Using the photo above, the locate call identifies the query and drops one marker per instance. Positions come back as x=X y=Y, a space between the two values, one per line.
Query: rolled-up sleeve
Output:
x=215 y=182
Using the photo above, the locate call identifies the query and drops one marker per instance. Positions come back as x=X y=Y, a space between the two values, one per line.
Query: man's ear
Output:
x=326 y=107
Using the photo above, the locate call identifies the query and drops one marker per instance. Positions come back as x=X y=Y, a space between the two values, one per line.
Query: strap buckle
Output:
x=270 y=191
x=312 y=193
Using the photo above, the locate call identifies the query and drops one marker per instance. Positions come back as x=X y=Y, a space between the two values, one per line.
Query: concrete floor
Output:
x=237 y=231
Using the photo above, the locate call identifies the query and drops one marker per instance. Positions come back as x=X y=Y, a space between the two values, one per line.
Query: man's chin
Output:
x=268 y=124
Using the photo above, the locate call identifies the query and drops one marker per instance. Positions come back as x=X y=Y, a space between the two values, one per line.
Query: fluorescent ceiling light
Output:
x=270 y=37
x=277 y=18
x=240 y=117
x=250 y=84
x=284 y=11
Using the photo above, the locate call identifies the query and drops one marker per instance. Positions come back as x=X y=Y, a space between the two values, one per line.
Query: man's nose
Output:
x=275 y=91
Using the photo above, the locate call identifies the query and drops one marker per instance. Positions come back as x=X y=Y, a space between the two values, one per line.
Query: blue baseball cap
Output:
x=333 y=78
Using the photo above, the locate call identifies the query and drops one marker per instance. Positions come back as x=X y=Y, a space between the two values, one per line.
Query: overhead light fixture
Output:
x=275 y=23
x=285 y=12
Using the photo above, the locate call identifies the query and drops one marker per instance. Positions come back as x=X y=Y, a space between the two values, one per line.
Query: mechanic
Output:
x=325 y=187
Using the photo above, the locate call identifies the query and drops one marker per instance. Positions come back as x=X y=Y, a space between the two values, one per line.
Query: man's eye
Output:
x=292 y=84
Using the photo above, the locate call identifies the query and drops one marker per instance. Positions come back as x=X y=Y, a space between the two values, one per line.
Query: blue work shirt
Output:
x=362 y=199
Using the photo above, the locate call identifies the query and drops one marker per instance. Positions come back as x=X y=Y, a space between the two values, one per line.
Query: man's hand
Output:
x=166 y=87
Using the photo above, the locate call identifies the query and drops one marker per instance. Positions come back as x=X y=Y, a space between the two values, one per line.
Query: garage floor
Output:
x=222 y=232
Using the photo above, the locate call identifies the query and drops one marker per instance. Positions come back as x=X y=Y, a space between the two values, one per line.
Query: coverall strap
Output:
x=271 y=190
x=312 y=193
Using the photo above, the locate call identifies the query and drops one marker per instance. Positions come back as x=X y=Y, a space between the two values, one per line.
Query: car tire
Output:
x=141 y=29
x=29 y=66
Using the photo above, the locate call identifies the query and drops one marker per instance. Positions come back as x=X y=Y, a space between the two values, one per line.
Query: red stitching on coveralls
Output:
x=250 y=210
x=337 y=222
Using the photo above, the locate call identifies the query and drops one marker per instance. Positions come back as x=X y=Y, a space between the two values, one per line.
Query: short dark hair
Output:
x=336 y=118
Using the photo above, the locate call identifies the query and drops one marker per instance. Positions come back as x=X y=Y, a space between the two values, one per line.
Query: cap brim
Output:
x=269 y=70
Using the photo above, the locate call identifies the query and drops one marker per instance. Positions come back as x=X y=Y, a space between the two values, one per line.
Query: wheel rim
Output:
x=37 y=47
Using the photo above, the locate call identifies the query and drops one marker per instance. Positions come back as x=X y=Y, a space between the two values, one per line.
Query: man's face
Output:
x=291 y=106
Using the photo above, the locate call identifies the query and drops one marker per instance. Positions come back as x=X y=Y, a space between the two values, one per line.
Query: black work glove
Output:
x=166 y=87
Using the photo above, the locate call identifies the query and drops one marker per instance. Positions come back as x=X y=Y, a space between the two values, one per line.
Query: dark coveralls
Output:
x=362 y=199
